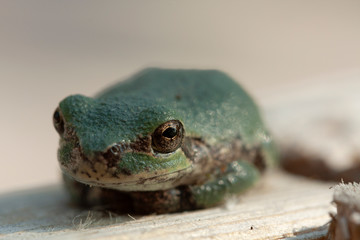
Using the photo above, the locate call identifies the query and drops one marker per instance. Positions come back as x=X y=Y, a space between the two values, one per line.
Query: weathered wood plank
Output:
x=280 y=206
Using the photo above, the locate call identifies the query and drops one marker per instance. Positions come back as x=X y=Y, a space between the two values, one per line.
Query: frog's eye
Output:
x=58 y=122
x=168 y=136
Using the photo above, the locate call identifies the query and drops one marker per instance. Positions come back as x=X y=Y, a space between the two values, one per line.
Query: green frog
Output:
x=164 y=140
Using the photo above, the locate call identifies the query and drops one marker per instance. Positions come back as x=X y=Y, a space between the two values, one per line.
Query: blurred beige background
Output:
x=50 y=49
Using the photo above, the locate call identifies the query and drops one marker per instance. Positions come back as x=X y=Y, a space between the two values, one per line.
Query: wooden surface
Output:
x=280 y=207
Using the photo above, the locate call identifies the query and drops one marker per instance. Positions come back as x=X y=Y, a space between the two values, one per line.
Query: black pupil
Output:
x=57 y=117
x=170 y=132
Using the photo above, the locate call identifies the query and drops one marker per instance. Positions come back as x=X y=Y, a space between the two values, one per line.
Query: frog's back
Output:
x=211 y=105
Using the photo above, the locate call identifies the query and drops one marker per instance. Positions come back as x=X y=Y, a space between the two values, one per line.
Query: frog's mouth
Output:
x=137 y=182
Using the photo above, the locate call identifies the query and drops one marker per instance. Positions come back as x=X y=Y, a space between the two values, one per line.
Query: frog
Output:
x=163 y=141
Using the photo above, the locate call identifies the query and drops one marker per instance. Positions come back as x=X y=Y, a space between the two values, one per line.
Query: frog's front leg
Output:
x=236 y=177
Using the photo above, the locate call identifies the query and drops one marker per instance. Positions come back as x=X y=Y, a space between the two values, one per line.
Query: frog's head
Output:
x=127 y=144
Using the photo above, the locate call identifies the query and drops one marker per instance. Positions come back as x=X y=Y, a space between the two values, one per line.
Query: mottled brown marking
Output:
x=125 y=171
x=109 y=158
x=255 y=156
x=172 y=200
x=141 y=144
x=237 y=150
x=222 y=154
x=198 y=153
x=141 y=180
x=113 y=155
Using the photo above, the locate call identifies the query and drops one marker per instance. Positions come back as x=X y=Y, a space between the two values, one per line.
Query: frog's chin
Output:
x=138 y=182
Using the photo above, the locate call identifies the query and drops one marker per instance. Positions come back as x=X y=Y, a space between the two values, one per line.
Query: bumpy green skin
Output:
x=212 y=108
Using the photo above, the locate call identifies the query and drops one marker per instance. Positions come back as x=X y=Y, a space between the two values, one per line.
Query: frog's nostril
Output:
x=58 y=122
